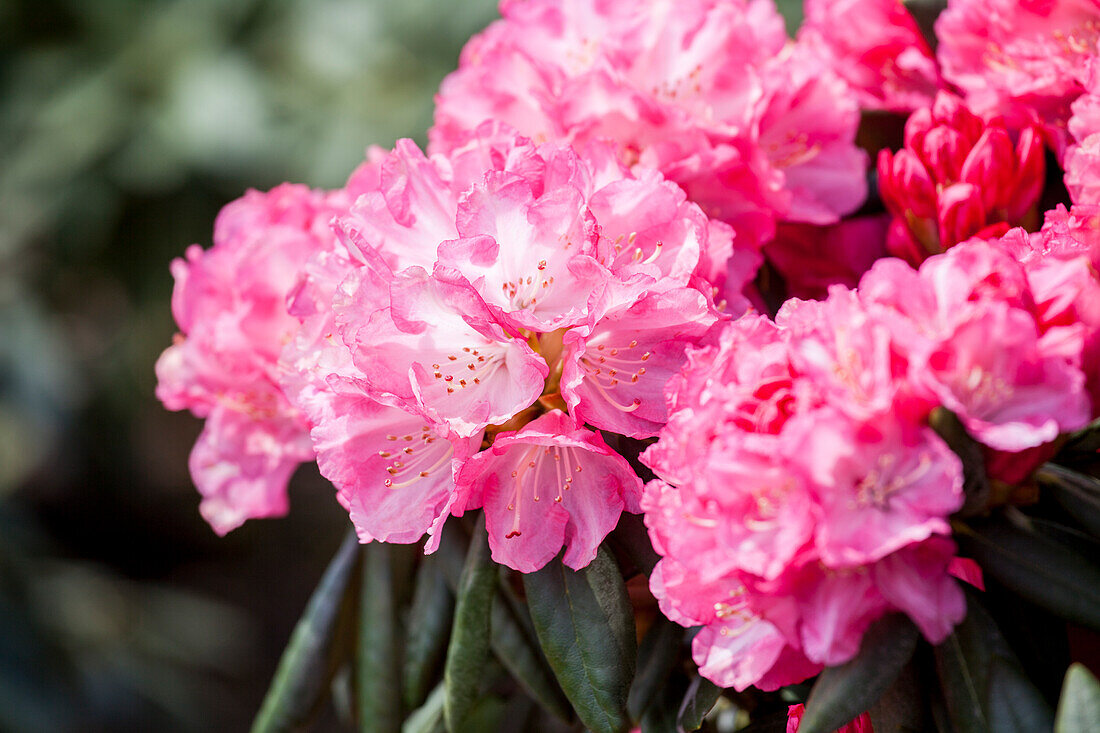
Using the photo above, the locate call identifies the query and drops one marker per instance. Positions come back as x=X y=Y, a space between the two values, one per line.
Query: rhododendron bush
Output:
x=691 y=372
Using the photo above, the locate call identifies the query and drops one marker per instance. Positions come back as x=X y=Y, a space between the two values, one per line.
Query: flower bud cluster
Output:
x=957 y=177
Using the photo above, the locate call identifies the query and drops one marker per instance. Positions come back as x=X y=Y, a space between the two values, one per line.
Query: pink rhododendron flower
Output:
x=1082 y=159
x=1023 y=60
x=698 y=90
x=230 y=304
x=875 y=46
x=802 y=494
x=439 y=350
x=957 y=177
x=614 y=371
x=549 y=484
x=1060 y=262
x=473 y=293
x=393 y=469
x=1019 y=395
x=881 y=484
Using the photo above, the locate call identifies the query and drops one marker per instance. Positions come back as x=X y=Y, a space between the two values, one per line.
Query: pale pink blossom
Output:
x=1082 y=159
x=614 y=369
x=875 y=46
x=241 y=465
x=393 y=469
x=549 y=484
x=440 y=351
x=230 y=305
x=698 y=90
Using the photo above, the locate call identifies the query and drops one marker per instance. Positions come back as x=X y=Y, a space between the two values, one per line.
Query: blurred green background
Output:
x=124 y=126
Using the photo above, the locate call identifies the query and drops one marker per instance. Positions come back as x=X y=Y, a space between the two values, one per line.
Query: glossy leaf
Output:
x=378 y=669
x=520 y=655
x=1079 y=706
x=581 y=618
x=983 y=685
x=1042 y=571
x=842 y=693
x=468 y=651
x=1077 y=493
x=428 y=630
x=513 y=640
x=306 y=667
x=701 y=696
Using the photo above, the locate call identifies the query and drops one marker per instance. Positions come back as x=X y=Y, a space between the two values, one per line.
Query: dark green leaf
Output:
x=984 y=687
x=1079 y=707
x=1046 y=573
x=378 y=669
x=524 y=660
x=657 y=656
x=306 y=667
x=513 y=642
x=698 y=700
x=607 y=586
x=468 y=651
x=485 y=715
x=587 y=649
x=1069 y=537
x=842 y=693
x=1077 y=493
x=428 y=629
x=975 y=483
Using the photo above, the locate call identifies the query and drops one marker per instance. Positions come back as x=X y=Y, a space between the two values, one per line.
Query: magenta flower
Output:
x=957 y=177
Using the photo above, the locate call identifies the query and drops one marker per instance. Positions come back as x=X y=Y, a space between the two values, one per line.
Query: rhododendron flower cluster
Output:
x=640 y=244
x=471 y=294
x=802 y=492
x=711 y=93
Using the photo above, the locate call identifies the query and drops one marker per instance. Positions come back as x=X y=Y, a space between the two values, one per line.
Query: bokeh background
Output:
x=124 y=126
